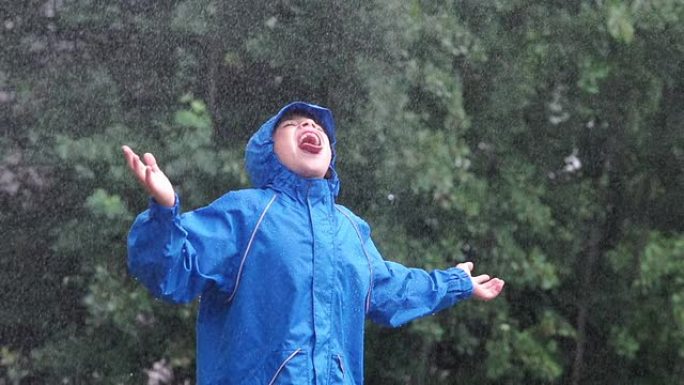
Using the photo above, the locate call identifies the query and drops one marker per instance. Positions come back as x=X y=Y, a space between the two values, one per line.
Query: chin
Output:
x=316 y=176
x=311 y=174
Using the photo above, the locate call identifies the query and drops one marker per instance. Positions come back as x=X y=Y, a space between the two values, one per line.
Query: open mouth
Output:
x=309 y=141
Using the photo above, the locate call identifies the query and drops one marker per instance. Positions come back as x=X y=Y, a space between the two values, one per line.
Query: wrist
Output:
x=159 y=211
x=165 y=200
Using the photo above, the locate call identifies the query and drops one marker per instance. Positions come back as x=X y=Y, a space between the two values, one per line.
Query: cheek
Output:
x=329 y=150
x=281 y=144
x=278 y=151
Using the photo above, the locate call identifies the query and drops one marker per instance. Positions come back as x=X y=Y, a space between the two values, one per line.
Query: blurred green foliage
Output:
x=542 y=140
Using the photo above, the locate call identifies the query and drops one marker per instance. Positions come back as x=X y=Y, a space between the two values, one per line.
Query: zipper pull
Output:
x=339 y=360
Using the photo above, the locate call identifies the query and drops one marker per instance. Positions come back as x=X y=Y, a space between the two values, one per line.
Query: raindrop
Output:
x=271 y=22
x=572 y=162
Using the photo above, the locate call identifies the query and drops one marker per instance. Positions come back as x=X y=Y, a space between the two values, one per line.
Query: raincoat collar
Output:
x=266 y=170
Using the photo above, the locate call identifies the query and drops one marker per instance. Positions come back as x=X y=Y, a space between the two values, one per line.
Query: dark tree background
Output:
x=544 y=140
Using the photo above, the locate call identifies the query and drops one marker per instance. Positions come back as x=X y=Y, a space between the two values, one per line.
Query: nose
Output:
x=307 y=123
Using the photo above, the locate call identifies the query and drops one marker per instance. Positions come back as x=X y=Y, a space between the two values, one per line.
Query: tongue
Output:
x=310 y=147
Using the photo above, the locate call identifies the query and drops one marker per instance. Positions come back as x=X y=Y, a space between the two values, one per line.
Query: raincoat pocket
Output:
x=337 y=373
x=283 y=367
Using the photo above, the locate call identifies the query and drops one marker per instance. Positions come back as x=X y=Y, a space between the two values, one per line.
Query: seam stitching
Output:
x=249 y=246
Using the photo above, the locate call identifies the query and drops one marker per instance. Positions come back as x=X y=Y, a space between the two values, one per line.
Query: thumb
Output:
x=466 y=266
x=150 y=160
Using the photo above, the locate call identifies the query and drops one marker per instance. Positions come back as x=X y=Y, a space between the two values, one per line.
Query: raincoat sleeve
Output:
x=400 y=294
x=177 y=256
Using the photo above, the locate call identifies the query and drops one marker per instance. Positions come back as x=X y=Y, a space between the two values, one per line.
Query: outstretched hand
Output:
x=485 y=288
x=150 y=176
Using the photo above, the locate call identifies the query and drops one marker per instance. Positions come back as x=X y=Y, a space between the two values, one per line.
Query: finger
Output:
x=128 y=152
x=489 y=284
x=149 y=160
x=128 y=155
x=480 y=279
x=126 y=149
x=494 y=286
x=149 y=180
x=135 y=164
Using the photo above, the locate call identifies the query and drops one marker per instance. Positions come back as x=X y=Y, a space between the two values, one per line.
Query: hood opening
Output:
x=261 y=162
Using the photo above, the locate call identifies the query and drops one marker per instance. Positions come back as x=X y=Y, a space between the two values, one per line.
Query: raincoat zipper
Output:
x=370 y=264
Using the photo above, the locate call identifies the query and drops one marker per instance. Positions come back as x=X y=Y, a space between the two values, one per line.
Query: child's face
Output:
x=302 y=146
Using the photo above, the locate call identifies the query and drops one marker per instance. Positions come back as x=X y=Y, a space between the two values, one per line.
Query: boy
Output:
x=286 y=276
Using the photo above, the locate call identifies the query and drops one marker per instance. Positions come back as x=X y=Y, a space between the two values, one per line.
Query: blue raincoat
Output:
x=286 y=276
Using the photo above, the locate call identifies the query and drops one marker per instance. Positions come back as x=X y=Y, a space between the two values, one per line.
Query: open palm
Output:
x=150 y=176
x=485 y=288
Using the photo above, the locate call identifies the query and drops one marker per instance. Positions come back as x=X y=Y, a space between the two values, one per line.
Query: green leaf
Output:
x=109 y=206
x=620 y=24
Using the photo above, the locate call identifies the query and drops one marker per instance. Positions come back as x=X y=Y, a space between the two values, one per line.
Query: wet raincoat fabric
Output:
x=286 y=276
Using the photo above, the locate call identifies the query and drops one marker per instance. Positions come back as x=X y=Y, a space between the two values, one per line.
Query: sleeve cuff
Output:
x=160 y=212
x=460 y=283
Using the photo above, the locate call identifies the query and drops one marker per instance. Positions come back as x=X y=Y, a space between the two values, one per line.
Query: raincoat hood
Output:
x=262 y=163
